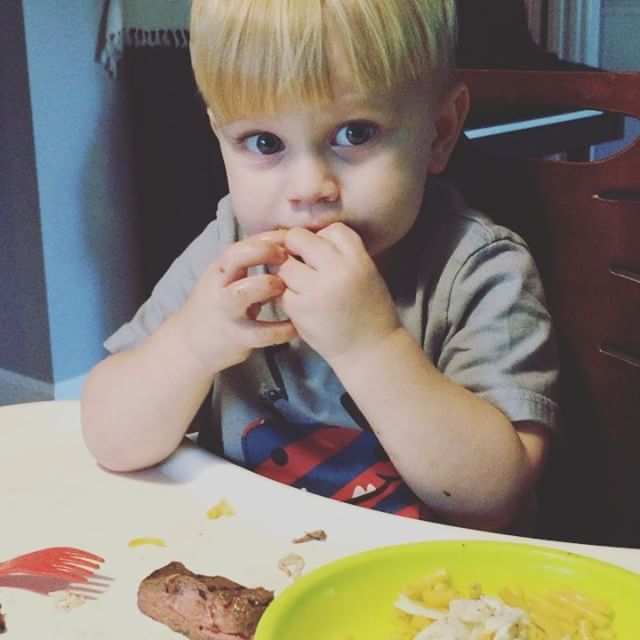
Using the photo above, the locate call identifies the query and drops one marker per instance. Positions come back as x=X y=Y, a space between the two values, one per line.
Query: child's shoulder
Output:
x=464 y=227
x=218 y=234
x=458 y=239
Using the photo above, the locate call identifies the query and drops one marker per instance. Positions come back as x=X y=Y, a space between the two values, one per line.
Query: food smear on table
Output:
x=291 y=565
x=318 y=534
x=433 y=609
x=67 y=600
x=222 y=508
x=202 y=607
x=139 y=542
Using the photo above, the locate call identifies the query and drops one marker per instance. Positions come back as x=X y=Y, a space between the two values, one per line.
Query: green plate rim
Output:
x=271 y=616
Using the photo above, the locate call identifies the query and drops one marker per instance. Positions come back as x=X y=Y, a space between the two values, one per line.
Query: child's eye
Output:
x=354 y=134
x=263 y=143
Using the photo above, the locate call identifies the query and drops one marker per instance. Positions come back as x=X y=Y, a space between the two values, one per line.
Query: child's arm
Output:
x=459 y=454
x=138 y=404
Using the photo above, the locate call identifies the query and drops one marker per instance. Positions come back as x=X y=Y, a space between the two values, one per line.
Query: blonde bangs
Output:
x=392 y=42
x=251 y=57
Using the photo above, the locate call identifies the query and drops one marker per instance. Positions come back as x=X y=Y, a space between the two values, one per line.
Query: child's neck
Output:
x=396 y=265
x=387 y=262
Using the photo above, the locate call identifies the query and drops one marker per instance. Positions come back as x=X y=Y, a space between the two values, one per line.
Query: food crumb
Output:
x=318 y=534
x=66 y=600
x=291 y=565
x=223 y=508
x=137 y=542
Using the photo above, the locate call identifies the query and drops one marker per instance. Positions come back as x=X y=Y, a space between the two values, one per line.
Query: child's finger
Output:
x=344 y=238
x=275 y=236
x=311 y=247
x=242 y=296
x=234 y=262
x=260 y=334
x=295 y=274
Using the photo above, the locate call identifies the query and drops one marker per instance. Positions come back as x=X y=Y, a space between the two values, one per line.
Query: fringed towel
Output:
x=141 y=23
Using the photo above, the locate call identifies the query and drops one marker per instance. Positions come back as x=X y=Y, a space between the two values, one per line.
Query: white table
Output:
x=52 y=493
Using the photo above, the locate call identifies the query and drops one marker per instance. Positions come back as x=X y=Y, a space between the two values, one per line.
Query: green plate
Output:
x=352 y=598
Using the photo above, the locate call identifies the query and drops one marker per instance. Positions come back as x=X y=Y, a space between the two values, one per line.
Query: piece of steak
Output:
x=202 y=607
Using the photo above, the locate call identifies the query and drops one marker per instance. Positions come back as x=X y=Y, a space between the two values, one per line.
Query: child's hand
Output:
x=218 y=320
x=335 y=297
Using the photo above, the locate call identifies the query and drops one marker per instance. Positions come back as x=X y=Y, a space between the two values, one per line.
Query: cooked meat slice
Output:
x=202 y=607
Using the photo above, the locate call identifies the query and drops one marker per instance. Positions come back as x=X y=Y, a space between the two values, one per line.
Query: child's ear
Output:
x=212 y=121
x=450 y=115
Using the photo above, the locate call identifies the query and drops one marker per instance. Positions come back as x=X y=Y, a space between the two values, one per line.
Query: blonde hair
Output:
x=251 y=57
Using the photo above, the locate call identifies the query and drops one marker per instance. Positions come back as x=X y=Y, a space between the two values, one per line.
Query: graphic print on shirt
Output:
x=338 y=462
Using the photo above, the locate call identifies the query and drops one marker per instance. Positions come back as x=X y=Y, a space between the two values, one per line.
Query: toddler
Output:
x=345 y=325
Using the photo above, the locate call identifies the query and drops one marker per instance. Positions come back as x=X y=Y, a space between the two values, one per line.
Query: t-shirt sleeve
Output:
x=499 y=341
x=172 y=290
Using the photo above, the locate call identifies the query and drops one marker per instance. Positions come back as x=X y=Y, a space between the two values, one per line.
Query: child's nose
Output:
x=312 y=181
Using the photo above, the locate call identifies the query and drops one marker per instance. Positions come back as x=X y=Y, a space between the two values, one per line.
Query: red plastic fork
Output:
x=69 y=563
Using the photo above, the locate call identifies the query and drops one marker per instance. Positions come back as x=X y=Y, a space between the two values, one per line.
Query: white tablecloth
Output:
x=52 y=493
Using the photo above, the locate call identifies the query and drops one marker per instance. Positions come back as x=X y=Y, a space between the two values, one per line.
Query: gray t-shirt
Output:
x=467 y=290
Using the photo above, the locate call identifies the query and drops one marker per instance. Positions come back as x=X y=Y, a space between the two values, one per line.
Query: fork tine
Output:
x=75 y=562
x=62 y=556
x=71 y=577
x=55 y=573
x=70 y=563
x=91 y=567
x=83 y=553
x=74 y=552
x=66 y=566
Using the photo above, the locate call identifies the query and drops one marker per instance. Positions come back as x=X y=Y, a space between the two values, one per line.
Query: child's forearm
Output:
x=458 y=453
x=137 y=405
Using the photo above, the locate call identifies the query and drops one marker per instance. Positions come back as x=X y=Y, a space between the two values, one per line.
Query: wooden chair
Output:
x=582 y=221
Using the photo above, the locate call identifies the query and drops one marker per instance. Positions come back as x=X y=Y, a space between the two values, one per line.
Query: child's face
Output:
x=360 y=159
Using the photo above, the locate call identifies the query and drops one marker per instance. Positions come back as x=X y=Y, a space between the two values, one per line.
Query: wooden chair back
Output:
x=582 y=222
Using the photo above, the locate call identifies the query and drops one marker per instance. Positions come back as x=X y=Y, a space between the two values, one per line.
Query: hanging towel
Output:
x=141 y=23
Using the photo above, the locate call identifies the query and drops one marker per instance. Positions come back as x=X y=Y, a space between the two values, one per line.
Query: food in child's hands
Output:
x=433 y=609
x=202 y=607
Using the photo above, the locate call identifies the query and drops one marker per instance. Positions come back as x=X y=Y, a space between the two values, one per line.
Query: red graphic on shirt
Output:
x=345 y=464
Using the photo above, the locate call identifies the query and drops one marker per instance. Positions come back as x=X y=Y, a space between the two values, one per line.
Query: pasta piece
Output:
x=559 y=614
x=223 y=508
x=138 y=542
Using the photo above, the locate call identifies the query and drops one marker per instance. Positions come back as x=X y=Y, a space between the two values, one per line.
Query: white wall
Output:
x=84 y=185
x=24 y=322
x=620 y=35
x=620 y=51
